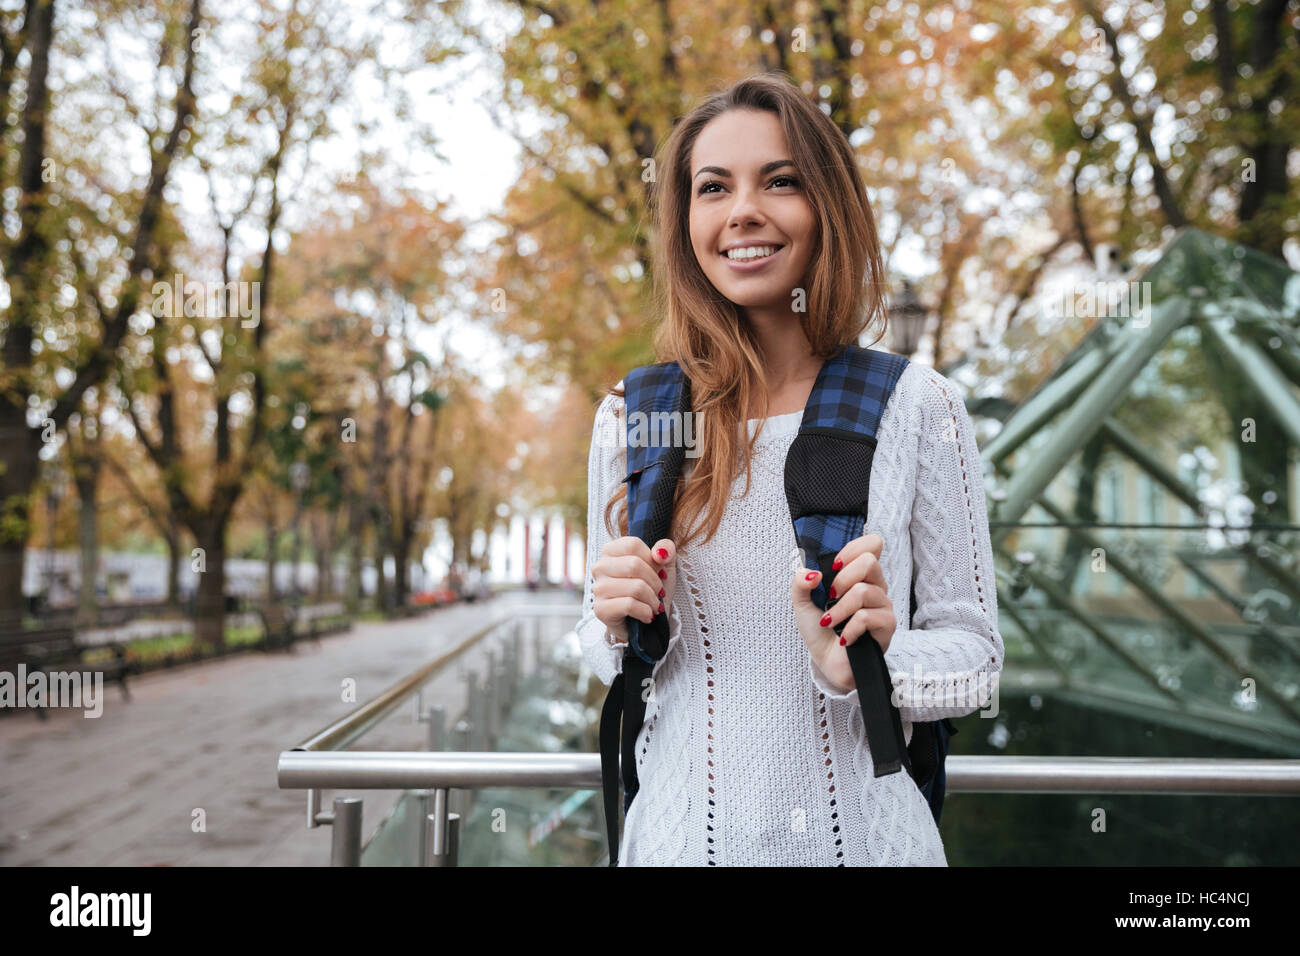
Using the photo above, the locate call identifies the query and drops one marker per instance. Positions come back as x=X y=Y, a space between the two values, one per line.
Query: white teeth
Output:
x=751 y=252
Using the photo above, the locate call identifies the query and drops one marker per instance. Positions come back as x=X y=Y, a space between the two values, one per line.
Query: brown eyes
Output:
x=713 y=182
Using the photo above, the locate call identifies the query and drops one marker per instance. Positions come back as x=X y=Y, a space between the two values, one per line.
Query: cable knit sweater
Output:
x=748 y=756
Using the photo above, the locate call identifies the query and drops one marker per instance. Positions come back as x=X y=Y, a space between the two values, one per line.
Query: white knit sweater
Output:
x=747 y=755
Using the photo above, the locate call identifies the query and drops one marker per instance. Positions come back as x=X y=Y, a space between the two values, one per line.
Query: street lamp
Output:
x=907 y=318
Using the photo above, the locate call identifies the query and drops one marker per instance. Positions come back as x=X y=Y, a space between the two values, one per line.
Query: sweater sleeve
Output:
x=606 y=468
x=947 y=663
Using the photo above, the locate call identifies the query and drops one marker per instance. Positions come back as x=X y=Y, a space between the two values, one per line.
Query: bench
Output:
x=278 y=622
x=51 y=649
x=404 y=611
x=281 y=623
x=323 y=619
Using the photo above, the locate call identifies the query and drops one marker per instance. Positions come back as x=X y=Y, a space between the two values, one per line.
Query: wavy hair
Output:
x=707 y=334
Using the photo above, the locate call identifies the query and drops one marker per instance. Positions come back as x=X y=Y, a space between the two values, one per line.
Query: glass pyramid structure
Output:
x=1145 y=501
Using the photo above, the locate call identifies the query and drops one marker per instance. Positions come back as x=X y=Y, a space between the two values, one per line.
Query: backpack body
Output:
x=827 y=477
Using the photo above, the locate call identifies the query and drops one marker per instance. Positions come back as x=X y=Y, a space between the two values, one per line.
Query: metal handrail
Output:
x=321 y=762
x=350 y=727
x=403 y=770
x=439 y=839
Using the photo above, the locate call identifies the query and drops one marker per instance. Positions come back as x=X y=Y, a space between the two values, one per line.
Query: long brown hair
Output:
x=706 y=333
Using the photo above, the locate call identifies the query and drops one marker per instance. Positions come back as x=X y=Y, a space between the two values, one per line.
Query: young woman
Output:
x=753 y=750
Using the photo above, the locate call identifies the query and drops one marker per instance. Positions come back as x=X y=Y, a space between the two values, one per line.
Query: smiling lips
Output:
x=751 y=253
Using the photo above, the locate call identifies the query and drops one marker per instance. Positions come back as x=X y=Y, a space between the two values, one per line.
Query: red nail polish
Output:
x=663 y=554
x=826 y=621
x=832 y=592
x=841 y=642
x=661 y=592
x=810 y=575
x=837 y=565
x=663 y=574
x=661 y=607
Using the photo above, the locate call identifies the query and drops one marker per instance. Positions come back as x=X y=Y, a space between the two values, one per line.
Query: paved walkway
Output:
x=122 y=790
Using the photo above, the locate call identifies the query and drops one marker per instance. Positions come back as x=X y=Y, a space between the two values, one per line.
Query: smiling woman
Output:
x=752 y=746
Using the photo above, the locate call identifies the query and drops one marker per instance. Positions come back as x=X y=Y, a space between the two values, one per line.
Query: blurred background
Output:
x=307 y=308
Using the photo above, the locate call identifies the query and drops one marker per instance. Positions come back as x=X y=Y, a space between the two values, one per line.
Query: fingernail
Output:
x=661 y=607
x=837 y=565
x=841 y=642
x=811 y=575
x=663 y=554
x=832 y=591
x=663 y=574
x=826 y=621
x=661 y=592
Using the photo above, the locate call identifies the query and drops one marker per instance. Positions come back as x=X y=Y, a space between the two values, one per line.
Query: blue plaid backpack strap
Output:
x=827 y=479
x=655 y=453
x=656 y=397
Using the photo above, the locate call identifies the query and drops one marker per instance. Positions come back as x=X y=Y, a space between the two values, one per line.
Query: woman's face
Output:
x=746 y=192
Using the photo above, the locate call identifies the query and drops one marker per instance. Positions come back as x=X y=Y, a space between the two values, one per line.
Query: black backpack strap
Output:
x=610 y=716
x=624 y=706
x=881 y=721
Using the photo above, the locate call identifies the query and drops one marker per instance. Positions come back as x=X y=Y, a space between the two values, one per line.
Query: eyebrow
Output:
x=767 y=168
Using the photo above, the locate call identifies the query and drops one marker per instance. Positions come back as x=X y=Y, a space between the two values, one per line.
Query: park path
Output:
x=121 y=789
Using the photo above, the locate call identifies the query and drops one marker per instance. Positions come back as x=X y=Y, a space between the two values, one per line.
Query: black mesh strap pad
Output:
x=827 y=485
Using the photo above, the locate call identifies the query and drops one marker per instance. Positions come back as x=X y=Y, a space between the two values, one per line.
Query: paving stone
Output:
x=120 y=790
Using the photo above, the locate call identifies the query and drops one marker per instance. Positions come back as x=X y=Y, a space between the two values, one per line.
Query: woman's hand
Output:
x=631 y=580
x=863 y=602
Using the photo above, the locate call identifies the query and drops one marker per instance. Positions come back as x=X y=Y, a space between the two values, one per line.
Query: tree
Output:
x=370 y=276
x=284 y=108
x=37 y=257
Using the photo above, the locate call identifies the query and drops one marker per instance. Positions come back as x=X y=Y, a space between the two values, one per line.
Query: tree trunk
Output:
x=272 y=543
x=383 y=547
x=17 y=478
x=23 y=274
x=1261 y=208
x=210 y=609
x=356 y=535
x=322 y=547
x=401 y=565
x=173 y=539
x=86 y=481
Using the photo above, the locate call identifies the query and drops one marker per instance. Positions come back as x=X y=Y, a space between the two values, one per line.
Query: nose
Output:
x=745 y=210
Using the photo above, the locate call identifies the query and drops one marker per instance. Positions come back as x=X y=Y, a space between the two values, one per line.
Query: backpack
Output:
x=827 y=474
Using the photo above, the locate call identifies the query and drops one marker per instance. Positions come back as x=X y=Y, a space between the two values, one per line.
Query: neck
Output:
x=789 y=368
x=787 y=357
